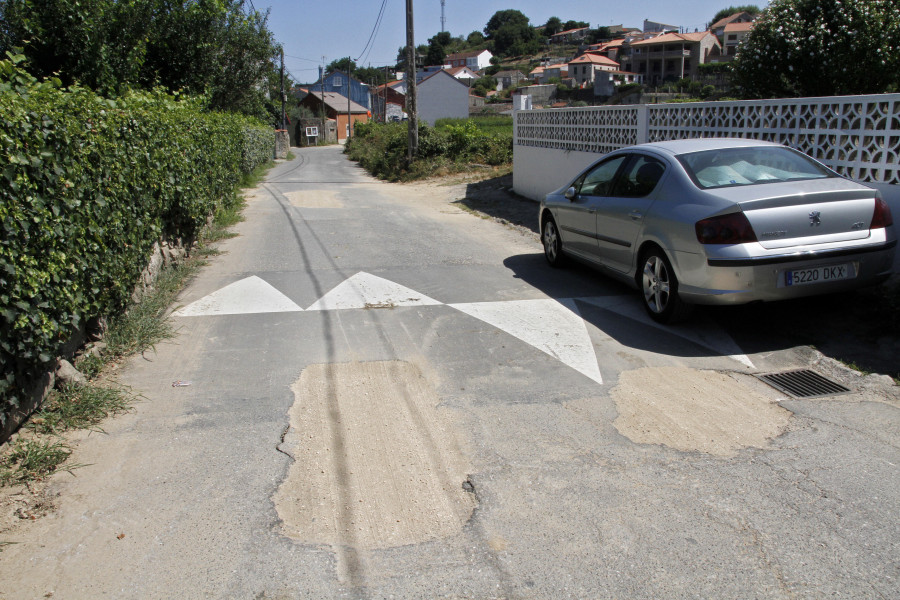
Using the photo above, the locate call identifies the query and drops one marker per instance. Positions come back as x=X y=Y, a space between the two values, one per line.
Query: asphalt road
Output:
x=384 y=396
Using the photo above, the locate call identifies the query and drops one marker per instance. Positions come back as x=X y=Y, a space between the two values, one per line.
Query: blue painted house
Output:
x=336 y=83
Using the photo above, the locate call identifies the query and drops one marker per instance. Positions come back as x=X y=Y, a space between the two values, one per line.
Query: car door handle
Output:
x=635 y=215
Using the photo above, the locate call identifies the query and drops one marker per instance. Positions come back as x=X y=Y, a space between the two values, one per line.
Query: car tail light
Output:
x=733 y=228
x=881 y=218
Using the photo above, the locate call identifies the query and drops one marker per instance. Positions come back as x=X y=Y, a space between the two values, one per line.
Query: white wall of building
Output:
x=442 y=96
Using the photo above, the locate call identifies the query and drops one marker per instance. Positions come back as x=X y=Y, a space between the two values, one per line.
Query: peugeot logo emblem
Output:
x=814 y=219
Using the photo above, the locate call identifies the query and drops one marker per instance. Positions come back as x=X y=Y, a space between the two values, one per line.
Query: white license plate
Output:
x=819 y=275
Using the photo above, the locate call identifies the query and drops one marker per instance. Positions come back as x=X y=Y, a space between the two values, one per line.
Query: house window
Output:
x=337 y=81
x=732 y=37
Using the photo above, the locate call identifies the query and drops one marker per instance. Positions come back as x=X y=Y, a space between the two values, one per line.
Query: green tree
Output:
x=344 y=65
x=421 y=52
x=372 y=75
x=484 y=85
x=100 y=43
x=503 y=18
x=553 y=26
x=476 y=38
x=435 y=55
x=568 y=25
x=511 y=33
x=821 y=48
x=731 y=10
x=216 y=48
x=601 y=34
x=437 y=48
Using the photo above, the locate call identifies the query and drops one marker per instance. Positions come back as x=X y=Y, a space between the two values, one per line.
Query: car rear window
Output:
x=727 y=167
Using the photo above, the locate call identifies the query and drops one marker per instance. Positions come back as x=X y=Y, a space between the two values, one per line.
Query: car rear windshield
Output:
x=727 y=167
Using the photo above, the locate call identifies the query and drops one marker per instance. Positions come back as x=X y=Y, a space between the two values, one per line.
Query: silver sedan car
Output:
x=719 y=221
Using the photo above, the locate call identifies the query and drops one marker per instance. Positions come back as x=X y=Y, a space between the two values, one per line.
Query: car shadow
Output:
x=616 y=309
x=849 y=327
x=860 y=328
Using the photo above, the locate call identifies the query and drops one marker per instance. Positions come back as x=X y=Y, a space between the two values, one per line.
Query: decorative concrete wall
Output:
x=858 y=136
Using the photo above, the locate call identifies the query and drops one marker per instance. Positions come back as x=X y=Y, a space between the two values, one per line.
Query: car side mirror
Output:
x=570 y=193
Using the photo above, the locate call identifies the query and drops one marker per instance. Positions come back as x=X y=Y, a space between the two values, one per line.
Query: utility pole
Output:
x=413 y=148
x=322 y=107
x=443 y=18
x=283 y=123
x=349 y=116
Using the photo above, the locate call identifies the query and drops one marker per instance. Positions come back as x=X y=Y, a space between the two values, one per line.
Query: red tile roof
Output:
x=670 y=38
x=594 y=59
x=736 y=27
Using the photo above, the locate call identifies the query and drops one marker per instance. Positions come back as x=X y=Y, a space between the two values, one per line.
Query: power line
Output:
x=301 y=58
x=374 y=31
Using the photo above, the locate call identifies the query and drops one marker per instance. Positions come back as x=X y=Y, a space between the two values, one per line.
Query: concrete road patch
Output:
x=375 y=465
x=314 y=199
x=694 y=410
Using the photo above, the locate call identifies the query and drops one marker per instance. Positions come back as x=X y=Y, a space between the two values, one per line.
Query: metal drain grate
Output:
x=804 y=384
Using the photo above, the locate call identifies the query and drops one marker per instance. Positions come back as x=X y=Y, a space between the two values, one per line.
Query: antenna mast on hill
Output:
x=443 y=18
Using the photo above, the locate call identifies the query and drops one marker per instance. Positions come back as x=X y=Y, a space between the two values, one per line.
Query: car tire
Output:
x=659 y=289
x=552 y=243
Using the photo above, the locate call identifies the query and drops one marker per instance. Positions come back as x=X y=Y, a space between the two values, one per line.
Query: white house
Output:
x=464 y=74
x=475 y=60
x=442 y=96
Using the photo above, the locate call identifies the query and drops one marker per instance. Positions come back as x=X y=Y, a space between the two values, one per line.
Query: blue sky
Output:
x=310 y=30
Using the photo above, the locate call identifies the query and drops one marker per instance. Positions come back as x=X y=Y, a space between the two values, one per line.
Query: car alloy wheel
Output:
x=552 y=243
x=660 y=288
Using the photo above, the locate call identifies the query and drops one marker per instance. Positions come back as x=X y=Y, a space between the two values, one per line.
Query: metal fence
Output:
x=858 y=136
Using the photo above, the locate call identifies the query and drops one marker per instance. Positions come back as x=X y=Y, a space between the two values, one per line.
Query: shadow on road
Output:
x=859 y=328
x=494 y=197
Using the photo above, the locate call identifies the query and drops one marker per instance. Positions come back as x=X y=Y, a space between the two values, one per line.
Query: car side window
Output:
x=599 y=180
x=639 y=177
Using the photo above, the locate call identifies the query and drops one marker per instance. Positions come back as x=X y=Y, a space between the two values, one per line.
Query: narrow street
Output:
x=381 y=395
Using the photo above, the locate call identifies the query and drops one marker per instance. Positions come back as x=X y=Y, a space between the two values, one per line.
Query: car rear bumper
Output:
x=745 y=279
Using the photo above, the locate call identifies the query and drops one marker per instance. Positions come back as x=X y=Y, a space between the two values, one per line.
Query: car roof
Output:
x=676 y=147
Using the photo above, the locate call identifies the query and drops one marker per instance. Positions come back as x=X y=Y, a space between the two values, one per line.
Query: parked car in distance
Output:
x=719 y=221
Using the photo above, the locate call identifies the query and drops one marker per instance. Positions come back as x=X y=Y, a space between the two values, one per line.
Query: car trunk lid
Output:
x=803 y=213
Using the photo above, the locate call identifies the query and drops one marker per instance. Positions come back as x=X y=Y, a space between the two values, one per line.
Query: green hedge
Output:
x=87 y=186
x=381 y=149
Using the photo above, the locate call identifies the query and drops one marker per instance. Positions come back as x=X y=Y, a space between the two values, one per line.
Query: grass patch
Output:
x=32 y=460
x=144 y=325
x=79 y=407
x=253 y=178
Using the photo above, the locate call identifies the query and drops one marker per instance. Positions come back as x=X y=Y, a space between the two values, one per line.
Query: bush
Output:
x=89 y=185
x=381 y=148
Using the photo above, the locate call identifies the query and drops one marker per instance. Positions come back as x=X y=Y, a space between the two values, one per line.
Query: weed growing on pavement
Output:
x=79 y=407
x=34 y=459
x=144 y=324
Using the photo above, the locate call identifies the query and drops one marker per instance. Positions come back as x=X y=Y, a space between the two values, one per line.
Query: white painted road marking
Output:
x=366 y=291
x=247 y=296
x=551 y=326
x=554 y=327
x=703 y=333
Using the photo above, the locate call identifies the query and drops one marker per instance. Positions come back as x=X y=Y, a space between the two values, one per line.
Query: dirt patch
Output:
x=374 y=461
x=691 y=410
x=314 y=199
